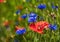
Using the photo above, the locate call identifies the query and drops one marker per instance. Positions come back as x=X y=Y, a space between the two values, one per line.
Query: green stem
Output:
x=24 y=38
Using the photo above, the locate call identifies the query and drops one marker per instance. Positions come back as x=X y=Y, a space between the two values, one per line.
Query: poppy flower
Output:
x=32 y=26
x=18 y=11
x=6 y=24
x=17 y=27
x=24 y=16
x=1 y=1
x=39 y=26
x=41 y=6
x=19 y=18
x=53 y=27
x=20 y=31
x=31 y=19
x=19 y=7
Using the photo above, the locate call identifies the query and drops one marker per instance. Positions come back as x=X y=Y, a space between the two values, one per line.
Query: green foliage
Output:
x=7 y=11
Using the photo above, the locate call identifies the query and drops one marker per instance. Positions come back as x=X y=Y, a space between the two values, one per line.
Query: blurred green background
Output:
x=8 y=12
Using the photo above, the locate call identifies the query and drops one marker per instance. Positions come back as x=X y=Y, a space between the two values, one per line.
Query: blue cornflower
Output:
x=20 y=32
x=53 y=27
x=41 y=6
x=54 y=7
x=31 y=19
x=24 y=16
x=32 y=14
x=18 y=11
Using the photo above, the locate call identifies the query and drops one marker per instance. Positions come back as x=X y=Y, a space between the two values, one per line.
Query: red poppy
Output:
x=1 y=1
x=18 y=28
x=39 y=26
x=20 y=7
x=20 y=19
x=32 y=26
x=6 y=23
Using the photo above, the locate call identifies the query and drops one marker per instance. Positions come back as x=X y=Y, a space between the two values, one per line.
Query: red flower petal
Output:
x=39 y=26
x=5 y=23
x=1 y=1
x=32 y=26
x=19 y=7
x=18 y=28
x=20 y=19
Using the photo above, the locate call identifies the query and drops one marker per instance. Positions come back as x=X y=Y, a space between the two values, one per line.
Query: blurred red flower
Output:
x=18 y=28
x=5 y=23
x=1 y=1
x=20 y=7
x=20 y=19
x=39 y=26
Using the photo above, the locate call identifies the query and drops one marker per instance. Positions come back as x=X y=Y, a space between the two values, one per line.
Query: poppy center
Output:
x=39 y=27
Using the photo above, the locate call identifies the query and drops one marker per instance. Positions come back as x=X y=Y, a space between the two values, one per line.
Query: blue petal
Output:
x=18 y=11
x=17 y=32
x=31 y=19
x=53 y=27
x=32 y=15
x=53 y=7
x=56 y=7
x=42 y=6
x=23 y=31
x=24 y=16
x=20 y=32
